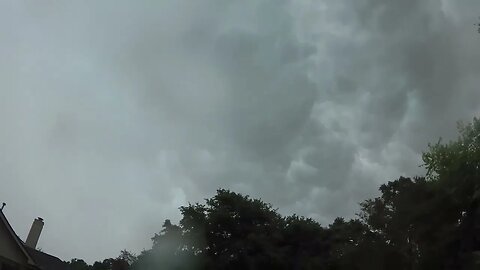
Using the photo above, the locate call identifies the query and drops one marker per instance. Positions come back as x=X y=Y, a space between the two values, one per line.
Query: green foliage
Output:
x=455 y=167
x=232 y=231
x=455 y=158
x=78 y=264
x=104 y=265
x=122 y=262
x=430 y=222
x=126 y=256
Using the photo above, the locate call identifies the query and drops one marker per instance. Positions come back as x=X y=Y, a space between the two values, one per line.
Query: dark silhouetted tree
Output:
x=430 y=222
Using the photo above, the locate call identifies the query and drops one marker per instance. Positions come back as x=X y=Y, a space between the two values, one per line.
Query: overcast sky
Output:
x=115 y=113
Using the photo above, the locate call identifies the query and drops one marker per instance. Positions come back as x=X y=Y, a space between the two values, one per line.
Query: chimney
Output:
x=34 y=233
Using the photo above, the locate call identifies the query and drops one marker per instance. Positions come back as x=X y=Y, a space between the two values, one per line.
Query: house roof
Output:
x=46 y=261
x=17 y=239
x=35 y=257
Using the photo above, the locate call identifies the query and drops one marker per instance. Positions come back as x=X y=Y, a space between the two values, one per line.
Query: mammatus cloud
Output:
x=114 y=114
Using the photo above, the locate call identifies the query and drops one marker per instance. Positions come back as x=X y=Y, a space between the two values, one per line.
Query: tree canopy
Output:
x=429 y=222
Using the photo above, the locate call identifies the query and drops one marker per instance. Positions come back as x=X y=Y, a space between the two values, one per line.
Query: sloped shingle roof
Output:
x=35 y=257
x=46 y=261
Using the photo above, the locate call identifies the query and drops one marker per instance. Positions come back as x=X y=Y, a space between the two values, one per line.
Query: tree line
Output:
x=425 y=222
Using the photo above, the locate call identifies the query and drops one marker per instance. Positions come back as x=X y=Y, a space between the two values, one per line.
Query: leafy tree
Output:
x=355 y=246
x=104 y=265
x=430 y=222
x=305 y=243
x=455 y=166
x=78 y=264
x=415 y=220
x=237 y=231
x=127 y=256
x=232 y=231
x=433 y=222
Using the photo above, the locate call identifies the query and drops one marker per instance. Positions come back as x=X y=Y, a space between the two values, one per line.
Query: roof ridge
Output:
x=17 y=239
x=43 y=253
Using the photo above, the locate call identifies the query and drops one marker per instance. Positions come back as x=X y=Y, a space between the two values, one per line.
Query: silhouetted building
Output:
x=18 y=255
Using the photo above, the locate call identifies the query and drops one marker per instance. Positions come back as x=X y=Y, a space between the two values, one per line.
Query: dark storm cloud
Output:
x=396 y=80
x=114 y=114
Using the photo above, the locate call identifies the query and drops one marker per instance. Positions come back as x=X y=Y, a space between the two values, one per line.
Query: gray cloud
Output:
x=114 y=114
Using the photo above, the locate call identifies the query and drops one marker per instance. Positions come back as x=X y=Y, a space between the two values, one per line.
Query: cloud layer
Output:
x=114 y=114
